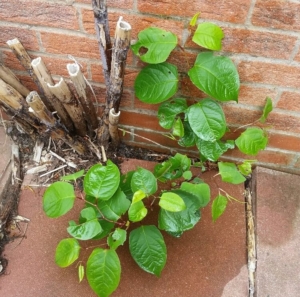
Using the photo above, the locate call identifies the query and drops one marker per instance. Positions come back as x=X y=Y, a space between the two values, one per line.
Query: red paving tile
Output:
x=278 y=233
x=207 y=261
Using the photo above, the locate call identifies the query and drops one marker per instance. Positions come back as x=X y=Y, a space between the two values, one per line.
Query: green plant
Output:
x=114 y=203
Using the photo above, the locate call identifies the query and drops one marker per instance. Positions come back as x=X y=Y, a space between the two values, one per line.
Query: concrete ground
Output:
x=207 y=261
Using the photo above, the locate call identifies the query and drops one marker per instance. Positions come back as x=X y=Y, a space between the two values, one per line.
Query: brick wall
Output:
x=261 y=36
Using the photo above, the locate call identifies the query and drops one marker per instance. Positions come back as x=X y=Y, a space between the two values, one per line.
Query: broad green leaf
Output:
x=156 y=83
x=246 y=167
x=102 y=181
x=171 y=202
x=218 y=206
x=168 y=111
x=216 y=76
x=194 y=19
x=144 y=180
x=230 y=174
x=213 y=150
x=137 y=211
x=58 y=199
x=113 y=208
x=148 y=249
x=267 y=109
x=106 y=229
x=103 y=271
x=201 y=191
x=125 y=184
x=187 y=175
x=80 y=272
x=157 y=43
x=209 y=35
x=251 y=141
x=138 y=196
x=178 y=222
x=89 y=228
x=117 y=238
x=189 y=137
x=67 y=251
x=207 y=120
x=73 y=176
x=178 y=129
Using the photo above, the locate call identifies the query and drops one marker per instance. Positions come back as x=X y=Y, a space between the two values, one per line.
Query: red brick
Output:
x=67 y=44
x=284 y=122
x=297 y=164
x=254 y=95
x=140 y=120
x=268 y=73
x=10 y=60
x=187 y=88
x=284 y=142
x=289 y=101
x=234 y=11
x=26 y=37
x=277 y=14
x=137 y=23
x=39 y=13
x=27 y=81
x=265 y=44
x=97 y=73
x=183 y=60
x=127 y=99
x=138 y=104
x=127 y=4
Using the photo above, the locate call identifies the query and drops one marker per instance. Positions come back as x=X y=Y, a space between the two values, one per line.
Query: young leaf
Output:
x=144 y=180
x=80 y=272
x=178 y=129
x=230 y=173
x=102 y=181
x=200 y=190
x=213 y=150
x=156 y=83
x=137 y=211
x=168 y=111
x=207 y=120
x=267 y=109
x=73 y=176
x=148 y=249
x=171 y=202
x=103 y=271
x=246 y=167
x=67 y=251
x=218 y=206
x=158 y=43
x=113 y=208
x=58 y=199
x=251 y=141
x=138 y=196
x=178 y=222
x=216 y=76
x=193 y=21
x=88 y=229
x=209 y=35
x=187 y=175
x=189 y=137
x=117 y=238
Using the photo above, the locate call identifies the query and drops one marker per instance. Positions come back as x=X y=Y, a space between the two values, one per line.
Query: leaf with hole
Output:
x=58 y=199
x=251 y=141
x=156 y=83
x=267 y=109
x=67 y=252
x=102 y=181
x=103 y=271
x=207 y=120
x=209 y=35
x=148 y=249
x=168 y=111
x=216 y=76
x=218 y=207
x=230 y=174
x=117 y=238
x=154 y=45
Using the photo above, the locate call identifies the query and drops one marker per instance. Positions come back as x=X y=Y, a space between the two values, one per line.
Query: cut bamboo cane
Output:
x=22 y=55
x=113 y=126
x=63 y=93
x=119 y=56
x=84 y=93
x=39 y=108
x=9 y=77
x=45 y=78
